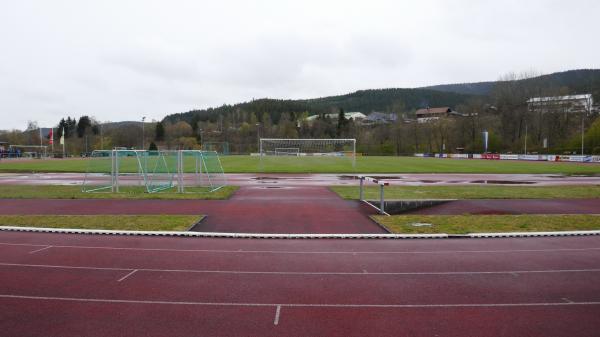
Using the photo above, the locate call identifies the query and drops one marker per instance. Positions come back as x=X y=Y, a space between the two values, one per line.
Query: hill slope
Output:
x=578 y=81
x=366 y=101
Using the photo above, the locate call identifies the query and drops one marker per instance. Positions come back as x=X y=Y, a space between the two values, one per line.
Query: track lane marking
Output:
x=361 y=273
x=39 y=250
x=300 y=305
x=277 y=314
x=126 y=276
x=239 y=251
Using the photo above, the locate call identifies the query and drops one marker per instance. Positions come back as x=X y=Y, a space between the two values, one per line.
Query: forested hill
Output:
x=364 y=101
x=400 y=100
x=578 y=81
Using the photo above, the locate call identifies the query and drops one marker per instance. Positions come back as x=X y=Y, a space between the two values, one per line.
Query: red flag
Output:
x=51 y=137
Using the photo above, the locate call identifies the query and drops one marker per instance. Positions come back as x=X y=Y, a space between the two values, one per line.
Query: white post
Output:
x=361 y=195
x=112 y=171
x=381 y=200
x=354 y=153
x=180 y=171
x=117 y=170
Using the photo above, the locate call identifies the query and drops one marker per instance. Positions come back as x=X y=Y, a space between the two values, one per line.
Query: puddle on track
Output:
x=502 y=182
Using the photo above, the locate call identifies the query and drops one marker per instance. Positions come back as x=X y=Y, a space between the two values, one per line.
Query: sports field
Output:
x=374 y=164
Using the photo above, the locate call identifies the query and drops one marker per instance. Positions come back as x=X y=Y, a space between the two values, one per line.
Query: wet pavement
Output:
x=279 y=179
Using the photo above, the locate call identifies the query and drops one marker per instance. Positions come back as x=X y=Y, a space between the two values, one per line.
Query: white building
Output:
x=354 y=115
x=570 y=103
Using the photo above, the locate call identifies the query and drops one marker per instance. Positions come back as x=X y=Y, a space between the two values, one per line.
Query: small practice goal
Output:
x=154 y=171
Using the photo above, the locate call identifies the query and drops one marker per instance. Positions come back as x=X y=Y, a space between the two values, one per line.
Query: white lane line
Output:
x=277 y=313
x=361 y=273
x=239 y=251
x=39 y=250
x=126 y=276
x=300 y=305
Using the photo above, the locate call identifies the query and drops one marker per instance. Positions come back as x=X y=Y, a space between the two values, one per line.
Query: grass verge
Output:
x=74 y=192
x=464 y=224
x=472 y=192
x=319 y=164
x=112 y=222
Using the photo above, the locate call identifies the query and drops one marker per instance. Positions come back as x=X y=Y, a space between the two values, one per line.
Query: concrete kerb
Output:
x=295 y=236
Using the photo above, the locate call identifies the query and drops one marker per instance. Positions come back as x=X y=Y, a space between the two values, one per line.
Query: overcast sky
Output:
x=121 y=60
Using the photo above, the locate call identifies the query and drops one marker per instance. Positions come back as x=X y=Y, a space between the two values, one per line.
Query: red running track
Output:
x=310 y=209
x=513 y=206
x=84 y=285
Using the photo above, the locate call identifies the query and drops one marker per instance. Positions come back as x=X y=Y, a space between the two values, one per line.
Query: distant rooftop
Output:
x=560 y=98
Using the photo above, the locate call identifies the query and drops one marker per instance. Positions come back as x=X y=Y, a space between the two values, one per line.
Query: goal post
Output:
x=331 y=148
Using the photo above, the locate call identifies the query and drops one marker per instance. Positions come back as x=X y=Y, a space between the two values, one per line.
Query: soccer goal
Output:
x=319 y=151
x=287 y=151
x=153 y=171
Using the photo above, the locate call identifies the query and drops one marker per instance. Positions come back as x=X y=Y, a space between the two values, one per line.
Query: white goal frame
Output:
x=291 y=143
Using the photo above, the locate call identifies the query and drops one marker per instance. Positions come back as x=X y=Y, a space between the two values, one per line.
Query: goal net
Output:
x=307 y=152
x=287 y=151
x=137 y=171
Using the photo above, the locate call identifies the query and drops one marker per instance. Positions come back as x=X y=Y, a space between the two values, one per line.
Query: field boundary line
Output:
x=294 y=236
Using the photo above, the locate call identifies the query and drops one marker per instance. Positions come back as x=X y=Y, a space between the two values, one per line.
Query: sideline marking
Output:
x=297 y=236
x=362 y=273
x=277 y=313
x=239 y=251
x=126 y=276
x=39 y=250
x=299 y=305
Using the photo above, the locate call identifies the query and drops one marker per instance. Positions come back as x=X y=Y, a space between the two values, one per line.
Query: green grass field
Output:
x=74 y=192
x=464 y=224
x=471 y=192
x=112 y=222
x=380 y=164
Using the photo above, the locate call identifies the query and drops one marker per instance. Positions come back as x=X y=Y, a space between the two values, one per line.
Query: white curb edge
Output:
x=295 y=236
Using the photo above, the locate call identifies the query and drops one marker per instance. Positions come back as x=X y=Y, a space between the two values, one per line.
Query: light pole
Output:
x=525 y=137
x=258 y=137
x=582 y=133
x=143 y=119
x=101 y=139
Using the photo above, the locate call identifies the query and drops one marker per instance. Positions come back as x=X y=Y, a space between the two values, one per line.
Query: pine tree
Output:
x=160 y=132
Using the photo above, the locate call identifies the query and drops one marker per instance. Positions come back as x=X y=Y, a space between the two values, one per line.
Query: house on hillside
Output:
x=431 y=114
x=567 y=104
x=356 y=116
x=375 y=118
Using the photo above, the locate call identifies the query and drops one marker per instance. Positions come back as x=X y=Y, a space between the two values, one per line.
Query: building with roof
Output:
x=354 y=115
x=380 y=118
x=431 y=114
x=566 y=104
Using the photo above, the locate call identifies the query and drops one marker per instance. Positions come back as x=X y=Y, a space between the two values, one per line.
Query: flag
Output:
x=62 y=137
x=51 y=137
